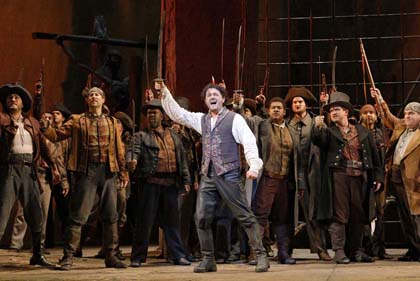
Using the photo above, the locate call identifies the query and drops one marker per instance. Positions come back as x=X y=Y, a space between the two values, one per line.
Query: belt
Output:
x=20 y=159
x=352 y=164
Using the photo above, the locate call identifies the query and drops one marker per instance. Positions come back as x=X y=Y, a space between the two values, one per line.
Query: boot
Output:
x=283 y=241
x=255 y=241
x=110 y=244
x=338 y=239
x=355 y=242
x=37 y=257
x=324 y=256
x=66 y=262
x=252 y=259
x=208 y=264
x=262 y=262
x=360 y=256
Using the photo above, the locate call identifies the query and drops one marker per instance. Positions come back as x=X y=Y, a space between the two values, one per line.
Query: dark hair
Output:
x=277 y=99
x=214 y=86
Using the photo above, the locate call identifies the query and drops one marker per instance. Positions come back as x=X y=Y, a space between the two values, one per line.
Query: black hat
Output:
x=9 y=89
x=125 y=120
x=153 y=104
x=62 y=108
x=339 y=99
x=300 y=92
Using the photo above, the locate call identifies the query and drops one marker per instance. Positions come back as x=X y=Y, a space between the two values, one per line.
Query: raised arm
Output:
x=179 y=114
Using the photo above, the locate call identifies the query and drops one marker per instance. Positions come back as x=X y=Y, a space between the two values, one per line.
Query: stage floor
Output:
x=15 y=266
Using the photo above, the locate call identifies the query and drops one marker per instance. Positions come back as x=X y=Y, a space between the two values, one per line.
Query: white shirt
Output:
x=22 y=143
x=240 y=130
x=402 y=145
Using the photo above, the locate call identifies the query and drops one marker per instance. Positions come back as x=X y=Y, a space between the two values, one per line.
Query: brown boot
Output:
x=324 y=256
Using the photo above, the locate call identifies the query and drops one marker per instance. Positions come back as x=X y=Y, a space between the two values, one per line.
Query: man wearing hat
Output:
x=351 y=172
x=404 y=171
x=300 y=125
x=159 y=165
x=222 y=131
x=97 y=161
x=22 y=144
x=375 y=245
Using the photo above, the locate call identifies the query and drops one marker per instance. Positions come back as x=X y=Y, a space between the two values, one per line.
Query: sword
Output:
x=238 y=60
x=133 y=105
x=334 y=60
x=159 y=77
x=223 y=46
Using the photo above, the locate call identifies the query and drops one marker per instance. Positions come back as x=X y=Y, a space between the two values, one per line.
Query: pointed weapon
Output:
x=242 y=70
x=146 y=63
x=159 y=77
x=223 y=47
x=133 y=104
x=381 y=113
x=238 y=60
x=334 y=60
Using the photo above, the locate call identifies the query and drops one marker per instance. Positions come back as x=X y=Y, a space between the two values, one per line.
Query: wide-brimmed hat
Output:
x=302 y=92
x=9 y=89
x=153 y=104
x=339 y=99
x=62 y=108
x=183 y=102
x=248 y=103
x=125 y=119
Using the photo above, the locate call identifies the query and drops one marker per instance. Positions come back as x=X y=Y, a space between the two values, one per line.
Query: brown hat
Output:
x=339 y=99
x=62 y=108
x=125 y=120
x=251 y=105
x=183 y=102
x=367 y=107
x=300 y=92
x=153 y=104
x=9 y=89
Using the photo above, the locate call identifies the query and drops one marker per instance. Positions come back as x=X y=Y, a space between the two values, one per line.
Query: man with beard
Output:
x=404 y=171
x=161 y=166
x=352 y=170
x=97 y=161
x=309 y=178
x=222 y=130
x=21 y=146
x=375 y=245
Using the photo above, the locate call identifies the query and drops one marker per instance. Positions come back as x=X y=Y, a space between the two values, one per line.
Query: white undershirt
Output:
x=22 y=143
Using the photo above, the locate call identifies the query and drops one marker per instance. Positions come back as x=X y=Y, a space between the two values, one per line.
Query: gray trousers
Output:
x=18 y=182
x=20 y=226
x=97 y=180
x=228 y=188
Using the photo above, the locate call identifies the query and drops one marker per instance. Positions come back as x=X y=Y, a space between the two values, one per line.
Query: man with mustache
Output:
x=159 y=165
x=222 y=130
x=21 y=147
x=351 y=172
